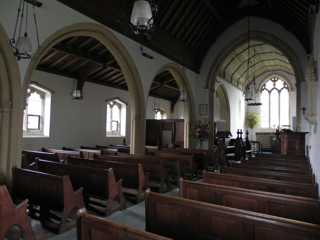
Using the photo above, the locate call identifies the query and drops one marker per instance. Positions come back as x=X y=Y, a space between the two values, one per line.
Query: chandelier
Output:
x=251 y=88
x=20 y=41
x=142 y=16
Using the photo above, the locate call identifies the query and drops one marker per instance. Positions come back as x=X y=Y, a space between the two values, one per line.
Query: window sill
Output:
x=35 y=136
x=115 y=136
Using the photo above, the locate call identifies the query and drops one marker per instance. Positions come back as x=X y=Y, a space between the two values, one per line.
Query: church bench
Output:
x=90 y=227
x=102 y=193
x=29 y=157
x=64 y=154
x=89 y=153
x=282 y=205
x=273 y=168
x=302 y=166
x=270 y=174
x=54 y=195
x=282 y=157
x=187 y=165
x=133 y=178
x=281 y=161
x=152 y=166
x=11 y=215
x=263 y=184
x=180 y=218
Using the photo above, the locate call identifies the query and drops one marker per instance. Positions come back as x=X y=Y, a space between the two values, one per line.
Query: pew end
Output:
x=11 y=215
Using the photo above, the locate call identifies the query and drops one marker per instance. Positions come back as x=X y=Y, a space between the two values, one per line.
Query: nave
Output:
x=159 y=119
x=259 y=197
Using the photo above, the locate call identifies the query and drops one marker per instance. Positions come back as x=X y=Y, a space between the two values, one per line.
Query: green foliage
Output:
x=252 y=120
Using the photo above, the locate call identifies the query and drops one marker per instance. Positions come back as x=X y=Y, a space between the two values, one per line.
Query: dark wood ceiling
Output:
x=83 y=58
x=185 y=29
x=165 y=86
x=86 y=59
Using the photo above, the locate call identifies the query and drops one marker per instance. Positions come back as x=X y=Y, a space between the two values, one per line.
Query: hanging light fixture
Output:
x=251 y=88
x=142 y=16
x=20 y=41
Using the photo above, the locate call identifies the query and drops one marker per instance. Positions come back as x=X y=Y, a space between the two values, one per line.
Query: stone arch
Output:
x=182 y=81
x=125 y=61
x=236 y=41
x=222 y=93
x=11 y=109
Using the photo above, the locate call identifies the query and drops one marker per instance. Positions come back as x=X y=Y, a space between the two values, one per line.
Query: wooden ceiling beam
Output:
x=83 y=56
x=173 y=6
x=213 y=10
x=181 y=21
x=202 y=30
x=174 y=20
x=191 y=18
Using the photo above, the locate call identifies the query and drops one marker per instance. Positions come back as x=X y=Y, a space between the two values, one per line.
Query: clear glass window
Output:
x=275 y=109
x=116 y=118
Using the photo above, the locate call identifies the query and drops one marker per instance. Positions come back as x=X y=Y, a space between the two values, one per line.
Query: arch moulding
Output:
x=210 y=70
x=182 y=81
x=125 y=61
x=11 y=110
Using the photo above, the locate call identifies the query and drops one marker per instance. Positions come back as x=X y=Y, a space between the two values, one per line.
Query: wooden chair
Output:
x=11 y=215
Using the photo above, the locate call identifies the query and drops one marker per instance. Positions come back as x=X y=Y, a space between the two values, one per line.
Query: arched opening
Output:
x=10 y=110
x=170 y=98
x=267 y=55
x=90 y=53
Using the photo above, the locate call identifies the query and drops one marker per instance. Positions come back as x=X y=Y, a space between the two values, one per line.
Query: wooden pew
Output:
x=152 y=166
x=134 y=181
x=90 y=227
x=11 y=215
x=282 y=162
x=29 y=157
x=281 y=157
x=50 y=193
x=263 y=184
x=282 y=205
x=180 y=218
x=186 y=163
x=273 y=168
x=270 y=174
x=101 y=192
x=63 y=154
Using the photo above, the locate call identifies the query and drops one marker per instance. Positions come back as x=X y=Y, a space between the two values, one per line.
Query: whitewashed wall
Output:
x=77 y=122
x=52 y=17
x=237 y=106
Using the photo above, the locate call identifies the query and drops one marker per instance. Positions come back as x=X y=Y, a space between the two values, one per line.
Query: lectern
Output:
x=293 y=143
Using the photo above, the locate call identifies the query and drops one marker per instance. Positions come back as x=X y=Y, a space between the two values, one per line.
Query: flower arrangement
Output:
x=252 y=120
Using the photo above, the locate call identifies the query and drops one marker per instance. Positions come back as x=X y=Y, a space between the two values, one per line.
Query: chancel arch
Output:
x=120 y=72
x=10 y=110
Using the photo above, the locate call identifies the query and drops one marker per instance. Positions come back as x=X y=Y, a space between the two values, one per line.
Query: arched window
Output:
x=116 y=118
x=275 y=103
x=160 y=114
x=36 y=121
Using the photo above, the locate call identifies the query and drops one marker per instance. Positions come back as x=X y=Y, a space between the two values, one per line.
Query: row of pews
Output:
x=266 y=197
x=59 y=182
x=269 y=196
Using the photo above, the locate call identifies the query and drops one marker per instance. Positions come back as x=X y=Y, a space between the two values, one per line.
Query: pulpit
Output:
x=293 y=143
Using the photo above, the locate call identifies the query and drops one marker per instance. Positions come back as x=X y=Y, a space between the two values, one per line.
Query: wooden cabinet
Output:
x=293 y=143
x=165 y=133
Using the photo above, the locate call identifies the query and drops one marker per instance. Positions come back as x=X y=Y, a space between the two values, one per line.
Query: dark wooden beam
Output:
x=213 y=10
x=115 y=14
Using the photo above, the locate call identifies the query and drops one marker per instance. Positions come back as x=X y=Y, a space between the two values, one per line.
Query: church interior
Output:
x=159 y=119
